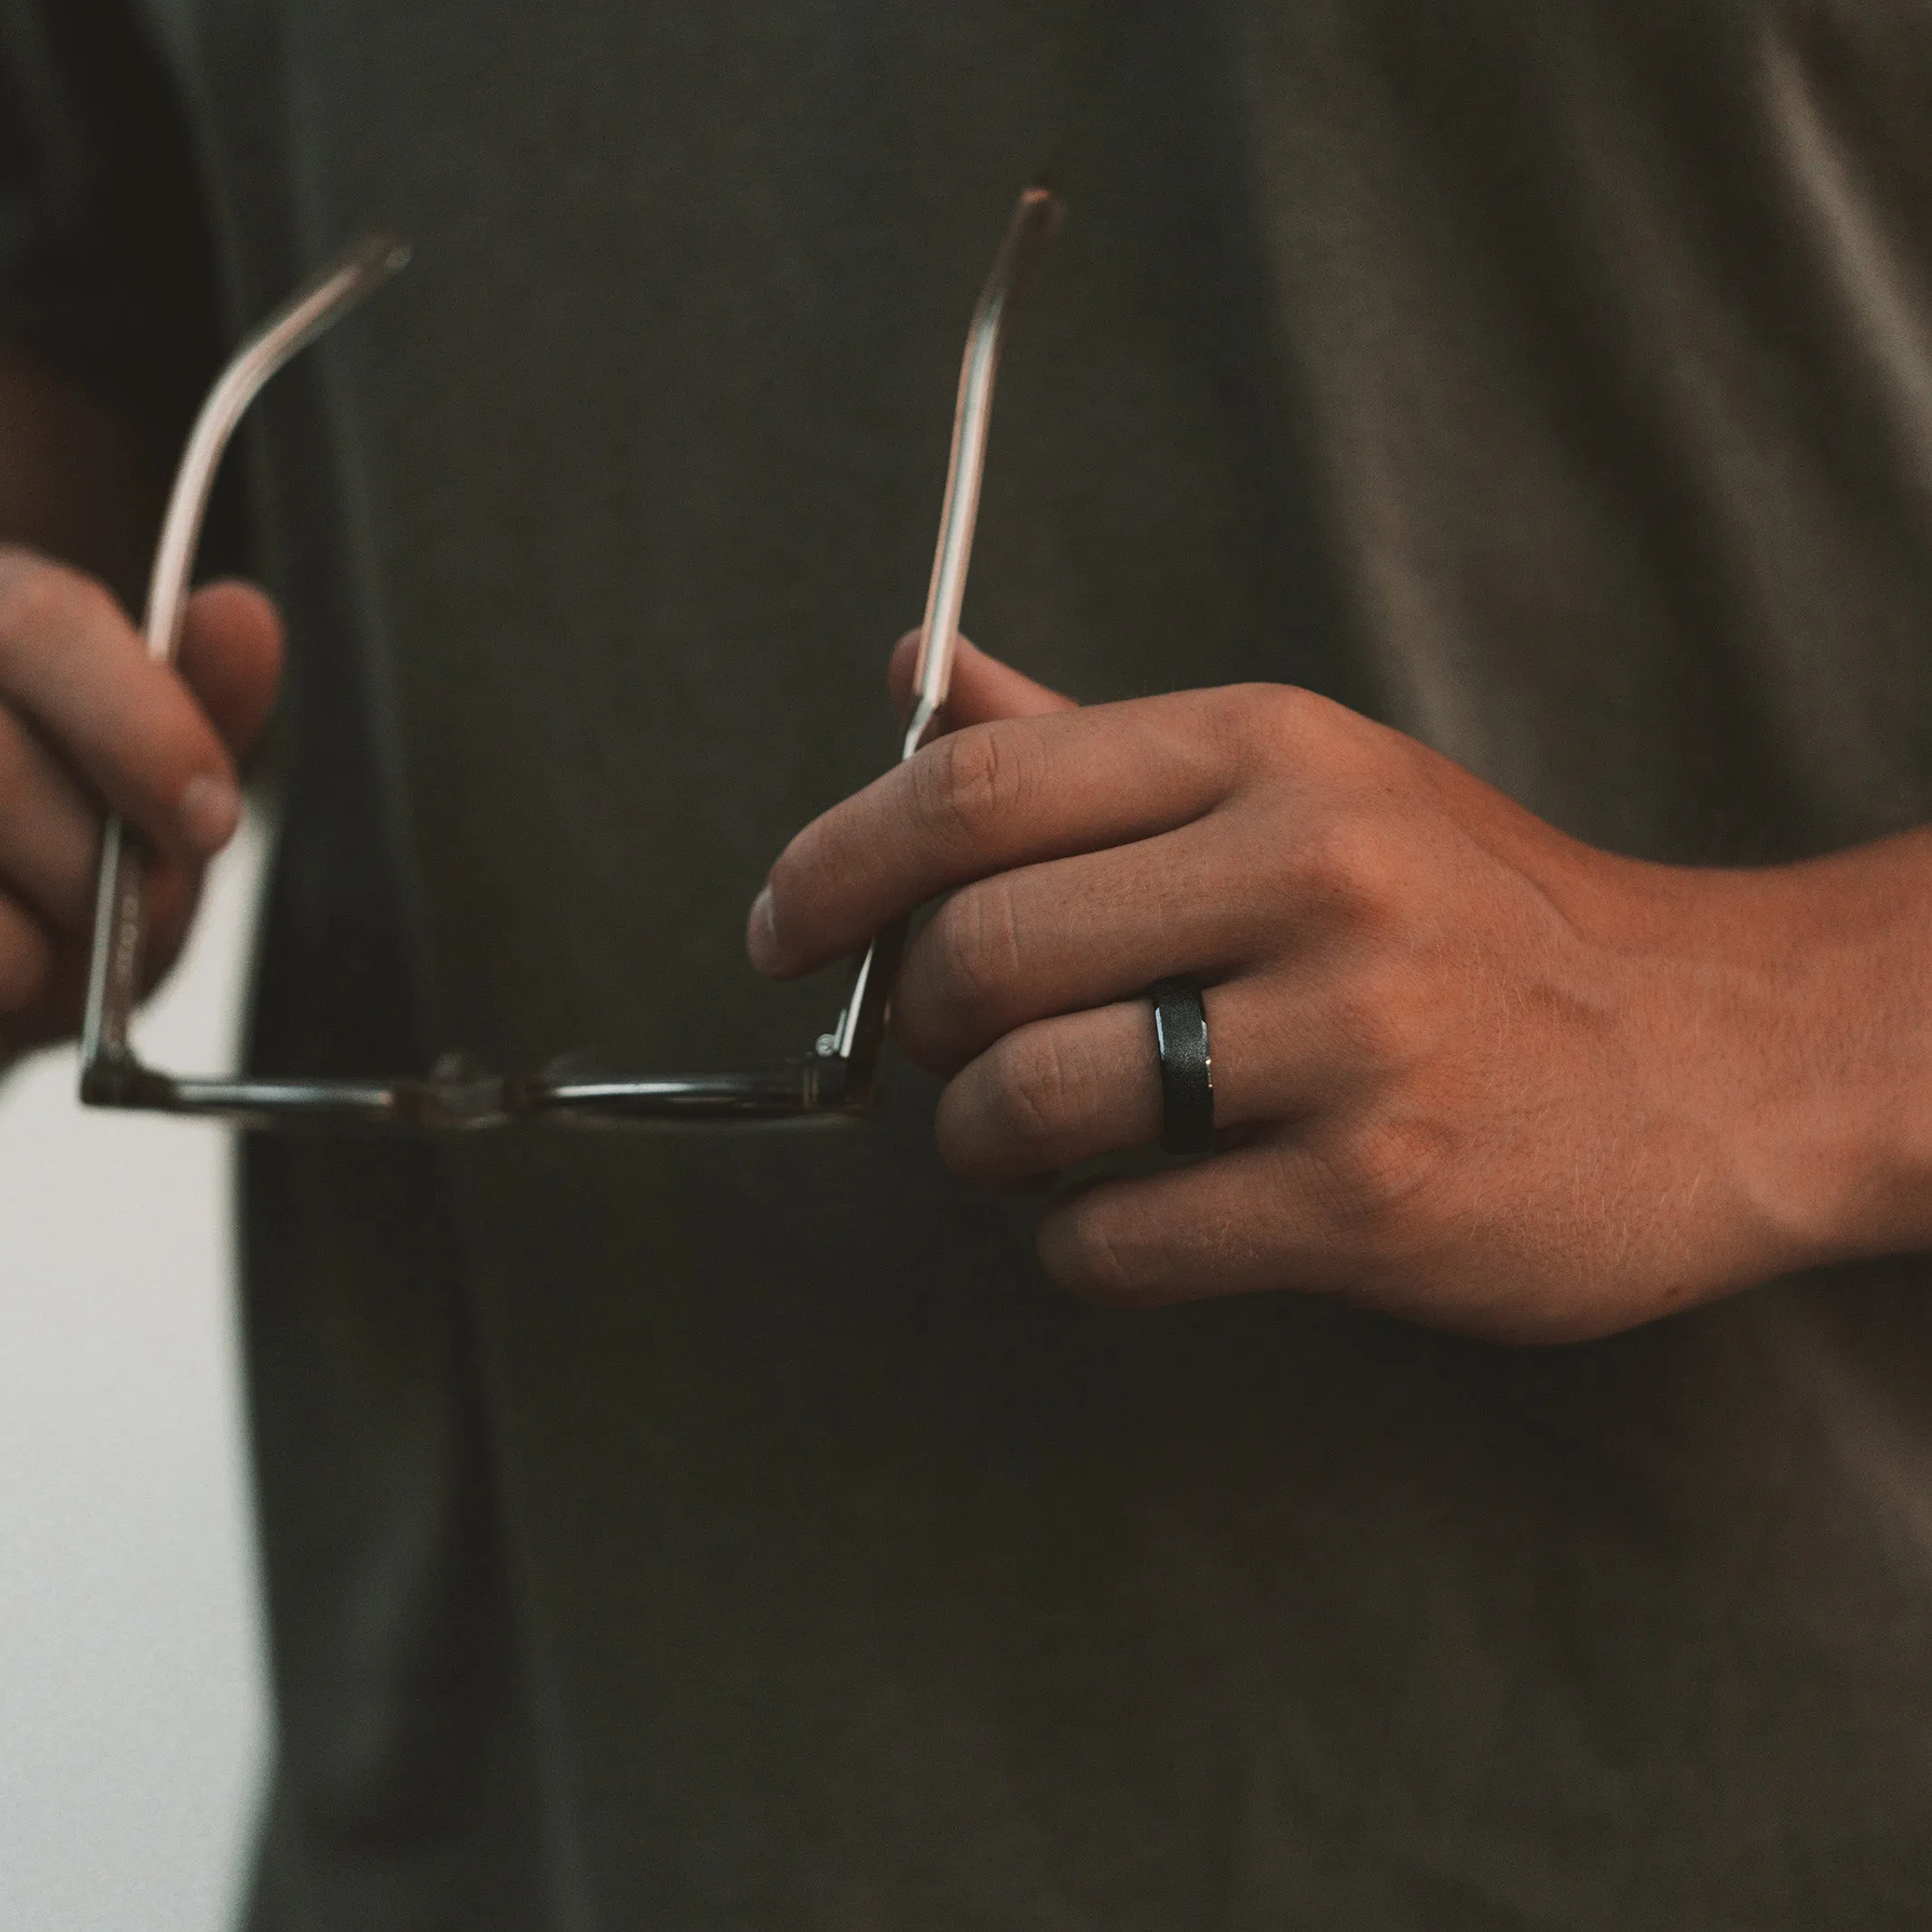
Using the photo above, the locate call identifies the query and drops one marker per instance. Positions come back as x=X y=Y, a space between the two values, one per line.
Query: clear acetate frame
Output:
x=836 y=1079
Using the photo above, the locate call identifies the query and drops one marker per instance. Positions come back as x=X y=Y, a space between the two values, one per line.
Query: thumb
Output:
x=983 y=688
x=231 y=659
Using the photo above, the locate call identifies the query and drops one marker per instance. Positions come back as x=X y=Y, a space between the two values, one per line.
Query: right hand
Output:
x=88 y=723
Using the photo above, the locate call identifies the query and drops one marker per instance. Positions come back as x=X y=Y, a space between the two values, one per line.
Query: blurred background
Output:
x=132 y=1711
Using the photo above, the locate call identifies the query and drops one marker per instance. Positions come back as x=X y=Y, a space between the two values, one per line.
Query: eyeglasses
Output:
x=836 y=1079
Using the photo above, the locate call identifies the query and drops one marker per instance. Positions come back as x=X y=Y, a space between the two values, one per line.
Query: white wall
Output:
x=132 y=1705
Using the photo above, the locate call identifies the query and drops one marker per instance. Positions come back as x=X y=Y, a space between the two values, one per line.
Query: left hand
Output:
x=1466 y=1069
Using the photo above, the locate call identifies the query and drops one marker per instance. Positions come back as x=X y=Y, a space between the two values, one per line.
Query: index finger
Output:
x=982 y=688
x=982 y=801
x=74 y=665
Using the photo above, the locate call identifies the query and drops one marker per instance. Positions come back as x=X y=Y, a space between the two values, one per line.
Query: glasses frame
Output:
x=836 y=1080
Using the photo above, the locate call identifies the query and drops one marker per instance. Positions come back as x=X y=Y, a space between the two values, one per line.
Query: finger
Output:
x=1240 y=1223
x=26 y=967
x=1052 y=1094
x=74 y=666
x=231 y=659
x=1049 y=1095
x=173 y=892
x=50 y=830
x=981 y=801
x=1077 y=932
x=982 y=688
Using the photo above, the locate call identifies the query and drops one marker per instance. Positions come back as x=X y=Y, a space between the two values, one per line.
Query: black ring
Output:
x=1186 y=1068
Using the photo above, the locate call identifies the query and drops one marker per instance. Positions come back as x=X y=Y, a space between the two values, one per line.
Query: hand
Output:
x=85 y=719
x=1466 y=1069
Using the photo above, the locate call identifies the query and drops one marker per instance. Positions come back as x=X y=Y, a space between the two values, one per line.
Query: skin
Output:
x=1467 y=1070
x=86 y=721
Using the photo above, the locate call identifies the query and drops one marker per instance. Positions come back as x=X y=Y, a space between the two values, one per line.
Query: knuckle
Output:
x=968 y=782
x=1377 y=1178
x=1269 y=722
x=37 y=595
x=975 y=942
x=91 y=605
x=32 y=592
x=1003 y=1121
x=1280 y=710
x=1284 y=725
x=1082 y=1252
x=1030 y=1092
x=1351 y=867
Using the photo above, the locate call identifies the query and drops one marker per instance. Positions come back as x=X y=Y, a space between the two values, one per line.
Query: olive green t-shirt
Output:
x=717 y=1531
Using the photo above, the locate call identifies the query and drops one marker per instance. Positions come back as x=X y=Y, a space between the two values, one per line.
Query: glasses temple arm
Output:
x=840 y=1071
x=113 y=979
x=1034 y=220
x=856 y=1041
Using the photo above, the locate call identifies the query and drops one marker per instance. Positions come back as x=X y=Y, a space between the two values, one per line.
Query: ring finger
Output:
x=1059 y=1091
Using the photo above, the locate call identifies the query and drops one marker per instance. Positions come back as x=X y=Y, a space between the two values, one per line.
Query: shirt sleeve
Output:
x=106 y=270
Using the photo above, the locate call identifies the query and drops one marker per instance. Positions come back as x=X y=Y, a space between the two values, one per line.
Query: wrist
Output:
x=1822 y=972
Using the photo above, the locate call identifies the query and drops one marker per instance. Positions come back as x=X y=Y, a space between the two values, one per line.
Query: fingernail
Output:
x=761 y=933
x=210 y=810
